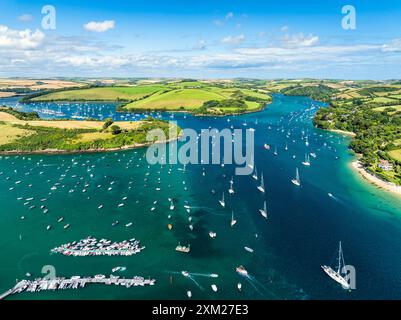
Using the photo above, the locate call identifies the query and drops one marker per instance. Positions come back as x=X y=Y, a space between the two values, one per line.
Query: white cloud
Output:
x=20 y=39
x=233 y=40
x=300 y=40
x=25 y=17
x=284 y=28
x=200 y=45
x=103 y=26
x=393 y=46
x=229 y=15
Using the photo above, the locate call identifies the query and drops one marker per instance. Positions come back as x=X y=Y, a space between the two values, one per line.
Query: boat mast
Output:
x=339 y=258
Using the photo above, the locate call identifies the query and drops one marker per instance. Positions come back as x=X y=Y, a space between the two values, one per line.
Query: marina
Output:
x=75 y=282
x=92 y=247
x=121 y=196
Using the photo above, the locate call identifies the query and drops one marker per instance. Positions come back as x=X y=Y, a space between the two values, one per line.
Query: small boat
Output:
x=184 y=249
x=275 y=151
x=48 y=227
x=336 y=275
x=60 y=219
x=214 y=287
x=212 y=234
x=248 y=249
x=214 y=275
x=222 y=202
x=231 y=190
x=296 y=180
x=233 y=221
x=66 y=226
x=185 y=273
x=266 y=146
x=115 y=269
x=170 y=226
x=313 y=155
x=128 y=224
x=189 y=294
x=255 y=174
x=172 y=205
x=307 y=161
x=261 y=187
x=263 y=211
x=239 y=286
x=241 y=270
x=115 y=223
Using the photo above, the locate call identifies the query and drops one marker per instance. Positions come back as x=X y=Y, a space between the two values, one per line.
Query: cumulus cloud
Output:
x=25 y=17
x=233 y=40
x=300 y=40
x=20 y=39
x=102 y=26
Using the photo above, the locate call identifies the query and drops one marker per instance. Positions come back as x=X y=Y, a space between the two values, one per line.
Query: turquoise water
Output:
x=301 y=234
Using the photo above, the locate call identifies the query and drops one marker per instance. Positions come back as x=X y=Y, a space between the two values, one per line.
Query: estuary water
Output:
x=301 y=233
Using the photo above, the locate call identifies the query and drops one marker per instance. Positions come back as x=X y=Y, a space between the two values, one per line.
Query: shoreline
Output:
x=381 y=184
x=88 y=151
x=346 y=133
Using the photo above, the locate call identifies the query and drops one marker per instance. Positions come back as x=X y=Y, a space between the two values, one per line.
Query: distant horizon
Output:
x=255 y=39
x=192 y=78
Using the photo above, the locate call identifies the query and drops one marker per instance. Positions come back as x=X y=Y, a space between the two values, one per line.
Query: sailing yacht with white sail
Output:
x=255 y=174
x=307 y=161
x=296 y=180
x=263 y=211
x=222 y=202
x=231 y=190
x=337 y=275
x=261 y=187
x=233 y=221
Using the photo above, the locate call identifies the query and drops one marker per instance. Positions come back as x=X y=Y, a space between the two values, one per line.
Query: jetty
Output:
x=75 y=282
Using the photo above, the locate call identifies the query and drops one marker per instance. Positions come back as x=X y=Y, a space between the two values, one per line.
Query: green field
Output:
x=176 y=99
x=171 y=96
x=380 y=109
x=101 y=94
x=395 y=154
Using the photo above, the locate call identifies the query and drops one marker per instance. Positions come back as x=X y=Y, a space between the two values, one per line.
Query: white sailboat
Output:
x=263 y=211
x=261 y=187
x=222 y=202
x=255 y=174
x=337 y=275
x=296 y=180
x=307 y=161
x=233 y=221
x=231 y=190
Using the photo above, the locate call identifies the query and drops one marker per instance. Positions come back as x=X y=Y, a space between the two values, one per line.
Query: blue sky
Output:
x=202 y=39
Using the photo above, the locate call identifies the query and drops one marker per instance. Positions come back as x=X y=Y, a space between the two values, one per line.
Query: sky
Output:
x=266 y=39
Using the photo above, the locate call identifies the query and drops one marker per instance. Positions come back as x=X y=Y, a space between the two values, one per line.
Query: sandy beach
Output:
x=347 y=133
x=375 y=180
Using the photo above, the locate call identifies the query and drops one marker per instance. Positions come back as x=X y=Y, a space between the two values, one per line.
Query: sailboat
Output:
x=263 y=211
x=233 y=221
x=231 y=190
x=255 y=174
x=307 y=161
x=222 y=202
x=296 y=181
x=336 y=275
x=261 y=187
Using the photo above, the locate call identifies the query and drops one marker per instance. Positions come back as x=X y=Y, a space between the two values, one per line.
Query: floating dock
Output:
x=75 y=282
